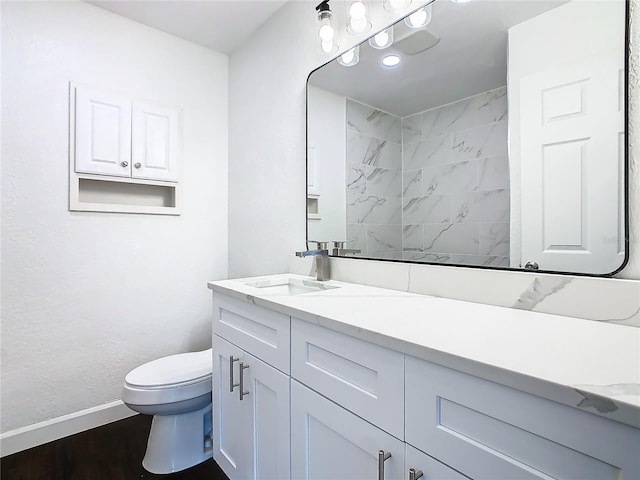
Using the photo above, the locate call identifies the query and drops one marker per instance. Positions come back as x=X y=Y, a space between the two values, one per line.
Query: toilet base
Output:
x=177 y=442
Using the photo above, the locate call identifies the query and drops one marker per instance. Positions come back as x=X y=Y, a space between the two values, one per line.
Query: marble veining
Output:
x=538 y=291
x=455 y=156
x=372 y=122
x=374 y=181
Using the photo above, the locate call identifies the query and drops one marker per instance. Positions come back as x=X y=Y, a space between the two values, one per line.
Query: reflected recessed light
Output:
x=391 y=60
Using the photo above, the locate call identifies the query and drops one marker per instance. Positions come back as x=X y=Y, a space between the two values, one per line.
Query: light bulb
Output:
x=419 y=18
x=382 y=39
x=326 y=46
x=350 y=57
x=399 y=4
x=357 y=10
x=326 y=32
x=396 y=5
x=391 y=60
x=359 y=25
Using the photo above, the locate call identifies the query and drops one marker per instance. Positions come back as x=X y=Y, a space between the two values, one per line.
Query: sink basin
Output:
x=289 y=286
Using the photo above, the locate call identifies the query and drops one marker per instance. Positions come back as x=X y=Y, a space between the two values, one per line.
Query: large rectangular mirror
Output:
x=499 y=140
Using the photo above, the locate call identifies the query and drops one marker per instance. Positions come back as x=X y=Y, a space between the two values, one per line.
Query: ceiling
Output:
x=221 y=25
x=469 y=58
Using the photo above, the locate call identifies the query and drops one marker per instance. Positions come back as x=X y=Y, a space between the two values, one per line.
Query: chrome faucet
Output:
x=322 y=259
x=339 y=249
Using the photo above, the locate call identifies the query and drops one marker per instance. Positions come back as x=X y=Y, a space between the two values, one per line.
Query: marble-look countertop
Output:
x=588 y=365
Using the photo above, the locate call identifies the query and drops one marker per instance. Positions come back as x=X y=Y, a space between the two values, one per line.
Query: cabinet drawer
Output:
x=263 y=333
x=364 y=378
x=489 y=431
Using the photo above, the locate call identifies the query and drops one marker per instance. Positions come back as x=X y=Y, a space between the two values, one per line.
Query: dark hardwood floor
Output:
x=110 y=452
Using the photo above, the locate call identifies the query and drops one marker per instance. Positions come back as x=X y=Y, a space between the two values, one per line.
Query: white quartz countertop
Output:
x=585 y=364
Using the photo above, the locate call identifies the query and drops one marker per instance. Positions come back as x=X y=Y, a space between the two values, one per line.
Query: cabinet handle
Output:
x=232 y=385
x=124 y=163
x=414 y=474
x=137 y=164
x=382 y=457
x=242 y=392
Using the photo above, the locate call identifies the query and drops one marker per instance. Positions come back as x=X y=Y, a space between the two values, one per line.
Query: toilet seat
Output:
x=170 y=379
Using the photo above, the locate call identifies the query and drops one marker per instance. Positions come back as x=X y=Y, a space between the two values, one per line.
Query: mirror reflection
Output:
x=498 y=140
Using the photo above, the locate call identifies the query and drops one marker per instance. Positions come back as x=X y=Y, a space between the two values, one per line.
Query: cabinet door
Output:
x=430 y=468
x=155 y=142
x=102 y=133
x=492 y=432
x=232 y=419
x=328 y=442
x=267 y=390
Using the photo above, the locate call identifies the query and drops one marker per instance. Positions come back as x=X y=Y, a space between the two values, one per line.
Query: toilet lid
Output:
x=172 y=370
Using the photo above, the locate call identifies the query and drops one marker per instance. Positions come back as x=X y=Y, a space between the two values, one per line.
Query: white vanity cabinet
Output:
x=251 y=396
x=329 y=442
x=324 y=405
x=489 y=431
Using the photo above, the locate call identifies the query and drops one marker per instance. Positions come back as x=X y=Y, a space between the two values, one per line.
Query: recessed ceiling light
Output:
x=391 y=60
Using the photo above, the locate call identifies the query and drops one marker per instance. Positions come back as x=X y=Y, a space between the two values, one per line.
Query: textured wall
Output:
x=632 y=270
x=267 y=81
x=88 y=296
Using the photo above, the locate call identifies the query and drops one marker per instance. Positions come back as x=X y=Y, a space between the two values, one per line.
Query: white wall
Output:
x=267 y=80
x=88 y=296
x=328 y=123
x=267 y=144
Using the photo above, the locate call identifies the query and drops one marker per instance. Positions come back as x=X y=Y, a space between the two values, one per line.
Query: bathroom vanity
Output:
x=330 y=380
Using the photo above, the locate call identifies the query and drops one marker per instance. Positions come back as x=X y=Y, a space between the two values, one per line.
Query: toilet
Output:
x=176 y=390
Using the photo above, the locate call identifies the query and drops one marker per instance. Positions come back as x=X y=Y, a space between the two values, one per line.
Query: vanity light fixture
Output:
x=383 y=39
x=420 y=18
x=391 y=60
x=396 y=5
x=358 y=21
x=350 y=57
x=326 y=32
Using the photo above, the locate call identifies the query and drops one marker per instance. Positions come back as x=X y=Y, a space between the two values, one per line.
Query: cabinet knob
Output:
x=137 y=164
x=124 y=163
x=415 y=474
x=382 y=457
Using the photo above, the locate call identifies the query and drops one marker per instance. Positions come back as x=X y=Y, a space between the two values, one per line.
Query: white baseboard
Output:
x=33 y=435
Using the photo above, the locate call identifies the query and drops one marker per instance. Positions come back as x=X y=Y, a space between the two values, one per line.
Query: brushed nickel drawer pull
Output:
x=243 y=393
x=382 y=457
x=414 y=474
x=232 y=385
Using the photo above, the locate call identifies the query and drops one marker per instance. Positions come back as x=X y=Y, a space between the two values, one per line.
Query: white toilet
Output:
x=176 y=390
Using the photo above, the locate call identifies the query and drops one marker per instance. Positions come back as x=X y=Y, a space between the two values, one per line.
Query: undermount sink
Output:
x=289 y=286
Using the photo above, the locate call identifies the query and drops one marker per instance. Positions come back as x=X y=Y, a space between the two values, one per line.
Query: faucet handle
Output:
x=341 y=243
x=321 y=245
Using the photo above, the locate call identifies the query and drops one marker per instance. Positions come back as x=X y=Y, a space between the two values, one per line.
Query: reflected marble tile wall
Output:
x=455 y=173
x=374 y=181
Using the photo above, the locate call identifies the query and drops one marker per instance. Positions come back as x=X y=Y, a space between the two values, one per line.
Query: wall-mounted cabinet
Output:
x=124 y=154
